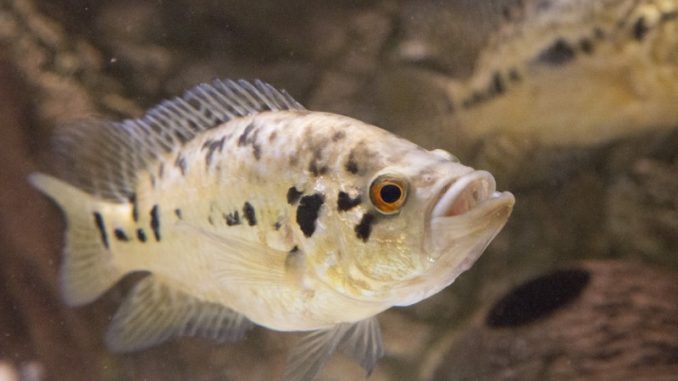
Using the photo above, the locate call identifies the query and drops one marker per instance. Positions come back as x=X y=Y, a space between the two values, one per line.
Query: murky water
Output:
x=571 y=104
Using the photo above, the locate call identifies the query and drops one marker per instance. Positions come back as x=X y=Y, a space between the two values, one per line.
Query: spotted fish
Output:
x=245 y=208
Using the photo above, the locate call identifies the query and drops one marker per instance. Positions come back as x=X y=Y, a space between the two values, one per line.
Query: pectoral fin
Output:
x=364 y=344
x=155 y=312
x=238 y=261
x=361 y=340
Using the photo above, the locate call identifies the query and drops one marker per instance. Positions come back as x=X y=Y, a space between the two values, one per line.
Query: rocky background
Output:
x=570 y=103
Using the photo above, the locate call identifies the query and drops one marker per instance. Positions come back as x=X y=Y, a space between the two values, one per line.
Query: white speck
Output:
x=113 y=60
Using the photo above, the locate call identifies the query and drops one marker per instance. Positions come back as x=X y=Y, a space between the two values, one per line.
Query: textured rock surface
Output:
x=389 y=62
x=593 y=321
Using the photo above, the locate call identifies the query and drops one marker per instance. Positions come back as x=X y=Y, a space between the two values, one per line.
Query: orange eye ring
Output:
x=388 y=193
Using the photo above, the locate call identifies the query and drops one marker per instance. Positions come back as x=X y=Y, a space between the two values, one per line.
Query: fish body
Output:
x=246 y=208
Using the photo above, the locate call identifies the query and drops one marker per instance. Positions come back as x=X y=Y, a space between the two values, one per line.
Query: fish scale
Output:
x=245 y=208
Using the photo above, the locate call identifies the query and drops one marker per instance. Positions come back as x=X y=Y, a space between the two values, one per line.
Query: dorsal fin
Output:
x=104 y=158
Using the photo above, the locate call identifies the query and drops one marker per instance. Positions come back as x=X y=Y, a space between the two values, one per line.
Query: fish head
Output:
x=429 y=218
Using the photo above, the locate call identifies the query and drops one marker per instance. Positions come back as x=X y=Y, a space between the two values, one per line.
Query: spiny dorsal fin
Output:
x=155 y=312
x=105 y=158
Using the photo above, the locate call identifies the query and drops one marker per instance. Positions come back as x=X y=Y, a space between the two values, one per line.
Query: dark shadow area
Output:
x=538 y=298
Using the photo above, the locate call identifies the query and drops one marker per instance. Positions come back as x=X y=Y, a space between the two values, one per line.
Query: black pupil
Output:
x=390 y=193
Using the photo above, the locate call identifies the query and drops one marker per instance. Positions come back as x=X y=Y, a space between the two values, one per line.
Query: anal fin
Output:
x=155 y=312
x=361 y=340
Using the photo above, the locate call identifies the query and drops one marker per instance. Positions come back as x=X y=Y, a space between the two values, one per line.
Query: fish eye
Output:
x=388 y=193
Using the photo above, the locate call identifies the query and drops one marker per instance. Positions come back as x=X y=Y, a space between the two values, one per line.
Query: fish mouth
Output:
x=467 y=215
x=471 y=192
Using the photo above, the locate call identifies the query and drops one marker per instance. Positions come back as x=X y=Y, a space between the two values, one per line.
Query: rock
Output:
x=594 y=320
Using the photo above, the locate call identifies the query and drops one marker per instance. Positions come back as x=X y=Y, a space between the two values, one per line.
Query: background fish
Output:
x=246 y=208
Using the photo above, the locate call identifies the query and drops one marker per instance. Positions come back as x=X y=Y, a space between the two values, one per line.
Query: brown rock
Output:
x=596 y=320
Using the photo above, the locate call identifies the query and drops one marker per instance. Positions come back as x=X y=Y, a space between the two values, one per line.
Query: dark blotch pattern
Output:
x=293 y=195
x=351 y=166
x=338 y=136
x=345 y=202
x=177 y=212
x=242 y=140
x=640 y=29
x=514 y=76
x=560 y=52
x=99 y=221
x=364 y=228
x=317 y=169
x=308 y=211
x=155 y=222
x=212 y=146
x=141 y=235
x=120 y=235
x=256 y=150
x=135 y=207
x=316 y=166
x=180 y=163
x=232 y=218
x=248 y=213
x=497 y=86
x=586 y=46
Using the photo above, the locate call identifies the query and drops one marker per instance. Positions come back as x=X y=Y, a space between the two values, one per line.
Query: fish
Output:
x=244 y=208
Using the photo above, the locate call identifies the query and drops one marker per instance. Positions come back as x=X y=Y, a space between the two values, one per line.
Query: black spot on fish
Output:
x=364 y=228
x=256 y=150
x=351 y=166
x=497 y=86
x=120 y=235
x=560 y=52
x=293 y=195
x=640 y=29
x=248 y=213
x=345 y=202
x=232 y=218
x=316 y=167
x=155 y=222
x=242 y=140
x=586 y=45
x=477 y=97
x=141 y=235
x=177 y=212
x=277 y=225
x=99 y=221
x=211 y=146
x=210 y=220
x=338 y=136
x=513 y=75
x=180 y=163
x=293 y=260
x=307 y=212
x=135 y=207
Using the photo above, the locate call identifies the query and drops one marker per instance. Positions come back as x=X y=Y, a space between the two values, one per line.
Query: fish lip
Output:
x=461 y=195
